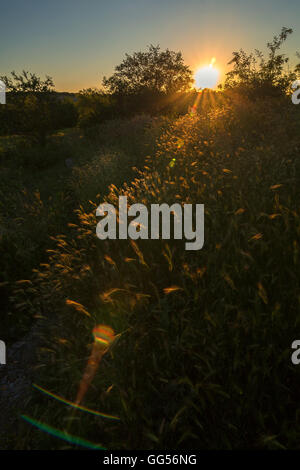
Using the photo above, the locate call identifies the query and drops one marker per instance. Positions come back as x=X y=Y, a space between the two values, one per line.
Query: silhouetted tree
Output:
x=258 y=75
x=155 y=70
x=33 y=108
x=144 y=81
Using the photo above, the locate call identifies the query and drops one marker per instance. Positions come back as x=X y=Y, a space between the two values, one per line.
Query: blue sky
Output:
x=77 y=42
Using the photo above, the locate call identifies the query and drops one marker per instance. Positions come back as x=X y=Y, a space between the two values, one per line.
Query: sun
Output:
x=207 y=77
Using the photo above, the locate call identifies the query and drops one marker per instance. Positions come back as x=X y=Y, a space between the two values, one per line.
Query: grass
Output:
x=39 y=194
x=203 y=356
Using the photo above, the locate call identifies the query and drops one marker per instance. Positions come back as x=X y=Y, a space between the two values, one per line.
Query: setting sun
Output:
x=207 y=76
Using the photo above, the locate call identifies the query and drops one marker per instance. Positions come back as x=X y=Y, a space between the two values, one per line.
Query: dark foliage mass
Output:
x=153 y=70
x=33 y=108
x=257 y=75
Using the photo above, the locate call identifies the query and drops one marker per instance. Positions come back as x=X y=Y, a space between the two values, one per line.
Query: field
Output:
x=202 y=354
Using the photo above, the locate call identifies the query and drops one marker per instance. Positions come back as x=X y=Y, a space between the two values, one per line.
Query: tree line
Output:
x=154 y=82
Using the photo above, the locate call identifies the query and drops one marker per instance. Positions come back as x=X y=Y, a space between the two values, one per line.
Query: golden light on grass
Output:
x=207 y=76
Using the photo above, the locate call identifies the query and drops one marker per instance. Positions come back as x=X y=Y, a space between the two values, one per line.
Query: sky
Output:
x=77 y=42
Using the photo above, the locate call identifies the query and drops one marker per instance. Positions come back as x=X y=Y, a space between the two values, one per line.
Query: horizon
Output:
x=62 y=38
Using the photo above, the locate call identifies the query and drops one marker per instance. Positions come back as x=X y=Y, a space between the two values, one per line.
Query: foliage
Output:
x=258 y=75
x=94 y=107
x=154 y=70
x=38 y=194
x=203 y=358
x=203 y=353
x=149 y=82
x=33 y=108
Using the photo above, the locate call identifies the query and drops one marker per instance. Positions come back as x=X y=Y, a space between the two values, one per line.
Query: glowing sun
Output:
x=207 y=77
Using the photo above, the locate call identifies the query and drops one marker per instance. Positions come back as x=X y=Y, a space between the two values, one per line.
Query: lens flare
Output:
x=104 y=336
x=74 y=405
x=172 y=162
x=61 y=434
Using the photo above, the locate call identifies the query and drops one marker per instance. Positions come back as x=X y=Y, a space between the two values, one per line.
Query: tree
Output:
x=33 y=108
x=27 y=82
x=153 y=71
x=94 y=107
x=258 y=75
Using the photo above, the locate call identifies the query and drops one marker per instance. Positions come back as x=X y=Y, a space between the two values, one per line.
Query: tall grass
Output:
x=203 y=357
x=39 y=194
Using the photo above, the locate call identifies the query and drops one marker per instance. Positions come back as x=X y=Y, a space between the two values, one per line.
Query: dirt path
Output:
x=16 y=381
